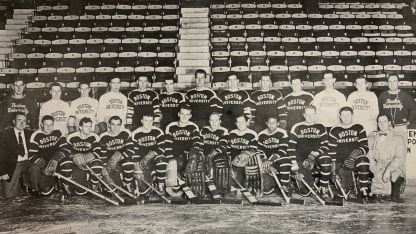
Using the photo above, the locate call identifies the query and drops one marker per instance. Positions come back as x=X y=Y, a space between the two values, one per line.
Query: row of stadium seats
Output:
x=359 y=7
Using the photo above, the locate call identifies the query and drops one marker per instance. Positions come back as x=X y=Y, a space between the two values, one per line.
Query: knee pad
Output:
x=65 y=167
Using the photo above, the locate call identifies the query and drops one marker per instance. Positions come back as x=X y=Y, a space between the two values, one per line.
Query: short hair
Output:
x=55 y=84
x=310 y=107
x=18 y=78
x=147 y=78
x=83 y=82
x=200 y=71
x=84 y=120
x=393 y=75
x=115 y=117
x=271 y=117
x=17 y=113
x=47 y=117
x=384 y=114
x=328 y=73
x=171 y=78
x=346 y=108
x=294 y=78
x=185 y=106
x=232 y=74
x=215 y=113
x=241 y=115
x=112 y=78
x=360 y=77
x=148 y=114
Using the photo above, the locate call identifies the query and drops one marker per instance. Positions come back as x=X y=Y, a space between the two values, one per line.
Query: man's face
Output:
x=20 y=122
x=200 y=80
x=56 y=92
x=265 y=82
x=296 y=85
x=214 y=121
x=84 y=89
x=86 y=128
x=232 y=82
x=18 y=87
x=272 y=124
x=361 y=84
x=393 y=83
x=241 y=123
x=309 y=115
x=142 y=83
x=346 y=117
x=47 y=126
x=115 y=85
x=184 y=115
x=114 y=126
x=169 y=86
x=147 y=122
x=383 y=123
x=329 y=81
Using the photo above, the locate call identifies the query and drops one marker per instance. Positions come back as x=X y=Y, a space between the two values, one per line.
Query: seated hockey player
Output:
x=348 y=147
x=387 y=156
x=113 y=146
x=183 y=149
x=308 y=147
x=48 y=154
x=146 y=150
x=273 y=142
x=85 y=152
x=218 y=164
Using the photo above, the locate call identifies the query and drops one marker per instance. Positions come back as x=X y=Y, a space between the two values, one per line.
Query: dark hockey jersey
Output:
x=202 y=103
x=296 y=107
x=238 y=141
x=141 y=142
x=169 y=107
x=12 y=105
x=273 y=143
x=109 y=144
x=181 y=138
x=304 y=138
x=139 y=103
x=45 y=145
x=343 y=140
x=214 y=139
x=234 y=104
x=268 y=103
x=78 y=144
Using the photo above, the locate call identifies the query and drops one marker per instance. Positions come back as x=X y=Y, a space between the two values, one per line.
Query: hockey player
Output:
x=348 y=147
x=184 y=147
x=140 y=101
x=268 y=102
x=308 y=147
x=146 y=148
x=169 y=102
x=296 y=102
x=49 y=154
x=111 y=103
x=57 y=108
x=234 y=102
x=364 y=104
x=201 y=99
x=113 y=146
x=84 y=106
x=328 y=102
x=273 y=143
x=214 y=137
x=85 y=151
x=387 y=155
x=18 y=101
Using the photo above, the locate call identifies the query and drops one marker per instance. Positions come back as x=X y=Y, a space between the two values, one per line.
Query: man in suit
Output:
x=14 y=155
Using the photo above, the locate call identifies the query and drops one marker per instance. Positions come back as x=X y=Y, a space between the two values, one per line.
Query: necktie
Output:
x=21 y=147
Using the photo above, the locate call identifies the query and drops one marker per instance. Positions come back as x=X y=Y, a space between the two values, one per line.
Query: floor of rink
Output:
x=84 y=215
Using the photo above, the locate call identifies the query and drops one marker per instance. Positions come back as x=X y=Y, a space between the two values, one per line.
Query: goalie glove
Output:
x=51 y=167
x=144 y=163
x=349 y=162
x=40 y=162
x=242 y=159
x=309 y=162
x=114 y=159
x=295 y=166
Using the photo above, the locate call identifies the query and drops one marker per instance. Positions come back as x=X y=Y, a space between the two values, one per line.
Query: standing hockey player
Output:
x=85 y=151
x=308 y=147
x=296 y=102
x=348 y=147
x=84 y=106
x=169 y=102
x=140 y=101
x=57 y=108
x=110 y=104
x=201 y=99
x=48 y=153
x=146 y=149
x=234 y=102
x=328 y=102
x=364 y=104
x=184 y=147
x=214 y=137
x=268 y=102
x=273 y=143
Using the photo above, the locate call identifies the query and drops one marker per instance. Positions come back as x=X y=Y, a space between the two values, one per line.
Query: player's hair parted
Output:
x=310 y=107
x=185 y=106
x=47 y=117
x=55 y=84
x=346 y=108
x=115 y=117
x=18 y=78
x=200 y=71
x=384 y=114
x=241 y=115
x=360 y=77
x=17 y=113
x=84 y=120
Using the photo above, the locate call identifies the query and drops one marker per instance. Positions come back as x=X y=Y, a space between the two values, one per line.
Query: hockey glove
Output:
x=40 y=162
x=114 y=159
x=4 y=177
x=309 y=162
x=349 y=162
x=51 y=167
x=242 y=159
x=144 y=163
x=80 y=161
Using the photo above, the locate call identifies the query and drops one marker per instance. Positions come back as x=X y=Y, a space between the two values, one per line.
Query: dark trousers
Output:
x=11 y=189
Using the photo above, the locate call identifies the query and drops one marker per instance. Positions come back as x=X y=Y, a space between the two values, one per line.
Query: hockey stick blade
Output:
x=247 y=195
x=212 y=188
x=287 y=198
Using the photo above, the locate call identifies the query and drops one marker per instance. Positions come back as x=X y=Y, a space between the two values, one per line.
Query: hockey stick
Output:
x=339 y=186
x=86 y=189
x=156 y=191
x=212 y=188
x=287 y=199
x=123 y=190
x=328 y=203
x=111 y=190
x=364 y=201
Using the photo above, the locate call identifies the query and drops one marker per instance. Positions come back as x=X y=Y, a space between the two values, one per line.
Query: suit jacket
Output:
x=9 y=149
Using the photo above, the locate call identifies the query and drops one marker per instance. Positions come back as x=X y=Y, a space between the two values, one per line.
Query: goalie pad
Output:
x=172 y=174
x=195 y=158
x=221 y=173
x=349 y=162
x=253 y=172
x=196 y=180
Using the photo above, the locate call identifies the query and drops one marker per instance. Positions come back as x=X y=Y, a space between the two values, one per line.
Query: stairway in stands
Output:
x=193 y=45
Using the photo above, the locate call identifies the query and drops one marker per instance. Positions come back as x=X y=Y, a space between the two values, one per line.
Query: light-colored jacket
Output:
x=387 y=155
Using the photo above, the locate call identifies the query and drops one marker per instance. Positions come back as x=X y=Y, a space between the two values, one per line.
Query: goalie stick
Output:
x=322 y=201
x=287 y=199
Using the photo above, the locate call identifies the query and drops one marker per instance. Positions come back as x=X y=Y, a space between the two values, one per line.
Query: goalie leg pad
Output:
x=253 y=173
x=181 y=162
x=196 y=182
x=222 y=179
x=172 y=174
x=324 y=168
x=96 y=166
x=269 y=184
x=283 y=165
x=161 y=165
x=221 y=161
x=363 y=169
